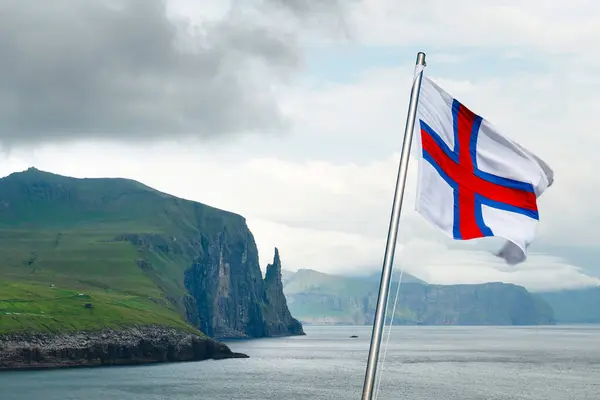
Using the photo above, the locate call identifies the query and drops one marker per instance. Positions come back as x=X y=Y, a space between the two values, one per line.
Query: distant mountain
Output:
x=579 y=306
x=315 y=277
x=318 y=298
x=406 y=277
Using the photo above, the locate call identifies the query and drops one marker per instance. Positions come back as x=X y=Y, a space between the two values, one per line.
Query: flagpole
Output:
x=390 y=247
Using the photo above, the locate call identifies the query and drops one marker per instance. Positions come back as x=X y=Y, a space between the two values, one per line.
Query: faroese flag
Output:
x=473 y=181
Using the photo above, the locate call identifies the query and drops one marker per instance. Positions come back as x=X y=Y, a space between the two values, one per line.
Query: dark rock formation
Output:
x=232 y=299
x=279 y=320
x=228 y=297
x=140 y=345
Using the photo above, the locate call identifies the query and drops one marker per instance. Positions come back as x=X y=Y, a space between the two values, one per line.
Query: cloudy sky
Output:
x=291 y=113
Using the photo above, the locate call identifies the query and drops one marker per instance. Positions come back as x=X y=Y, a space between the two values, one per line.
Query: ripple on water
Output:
x=450 y=363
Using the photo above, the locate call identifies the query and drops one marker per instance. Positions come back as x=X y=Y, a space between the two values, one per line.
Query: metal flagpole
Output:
x=390 y=247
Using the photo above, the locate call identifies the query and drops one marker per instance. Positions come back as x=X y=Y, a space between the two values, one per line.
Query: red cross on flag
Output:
x=473 y=181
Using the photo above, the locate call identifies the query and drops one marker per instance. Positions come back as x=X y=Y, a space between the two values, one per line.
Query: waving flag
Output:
x=473 y=181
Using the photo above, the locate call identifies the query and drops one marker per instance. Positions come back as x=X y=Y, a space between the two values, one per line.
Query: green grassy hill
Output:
x=69 y=259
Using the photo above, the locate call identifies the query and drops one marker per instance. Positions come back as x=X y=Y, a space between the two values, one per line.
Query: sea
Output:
x=421 y=362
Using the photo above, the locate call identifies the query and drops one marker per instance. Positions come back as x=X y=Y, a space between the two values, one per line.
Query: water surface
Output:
x=451 y=363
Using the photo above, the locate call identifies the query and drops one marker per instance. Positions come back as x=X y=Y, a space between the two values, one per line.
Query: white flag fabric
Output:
x=473 y=181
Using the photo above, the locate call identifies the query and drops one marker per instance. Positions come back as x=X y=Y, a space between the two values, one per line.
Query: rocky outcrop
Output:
x=139 y=345
x=232 y=299
x=227 y=296
x=279 y=319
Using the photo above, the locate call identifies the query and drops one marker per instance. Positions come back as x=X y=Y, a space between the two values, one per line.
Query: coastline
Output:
x=229 y=339
x=109 y=347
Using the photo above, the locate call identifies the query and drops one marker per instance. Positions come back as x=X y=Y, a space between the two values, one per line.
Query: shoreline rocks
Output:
x=130 y=346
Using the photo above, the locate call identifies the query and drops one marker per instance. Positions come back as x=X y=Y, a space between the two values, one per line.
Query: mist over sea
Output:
x=423 y=362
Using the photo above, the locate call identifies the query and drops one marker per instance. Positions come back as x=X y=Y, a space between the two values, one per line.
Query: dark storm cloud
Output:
x=121 y=69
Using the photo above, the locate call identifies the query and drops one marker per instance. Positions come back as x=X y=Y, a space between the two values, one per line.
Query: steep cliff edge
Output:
x=280 y=319
x=108 y=253
x=240 y=304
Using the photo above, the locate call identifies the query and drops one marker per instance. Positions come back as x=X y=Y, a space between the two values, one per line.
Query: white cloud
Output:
x=549 y=114
x=551 y=25
x=333 y=215
x=194 y=10
x=438 y=264
x=303 y=247
x=329 y=217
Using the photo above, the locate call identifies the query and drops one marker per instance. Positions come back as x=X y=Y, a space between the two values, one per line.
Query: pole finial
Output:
x=421 y=59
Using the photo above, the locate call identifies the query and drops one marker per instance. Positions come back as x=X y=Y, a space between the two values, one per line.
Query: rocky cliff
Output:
x=82 y=255
x=232 y=298
x=107 y=347
x=320 y=298
x=476 y=304
x=281 y=320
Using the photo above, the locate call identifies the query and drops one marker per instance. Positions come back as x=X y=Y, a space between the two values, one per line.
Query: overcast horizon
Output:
x=291 y=113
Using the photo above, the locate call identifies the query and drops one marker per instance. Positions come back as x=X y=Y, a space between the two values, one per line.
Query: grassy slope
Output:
x=57 y=241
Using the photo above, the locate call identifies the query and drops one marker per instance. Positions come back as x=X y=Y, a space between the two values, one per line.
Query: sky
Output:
x=292 y=112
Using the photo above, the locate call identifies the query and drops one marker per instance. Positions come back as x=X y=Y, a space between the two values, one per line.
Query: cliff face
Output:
x=484 y=304
x=225 y=294
x=232 y=299
x=280 y=319
x=320 y=298
x=117 y=253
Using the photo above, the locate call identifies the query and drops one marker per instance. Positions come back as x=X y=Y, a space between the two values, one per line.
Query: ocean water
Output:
x=437 y=363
